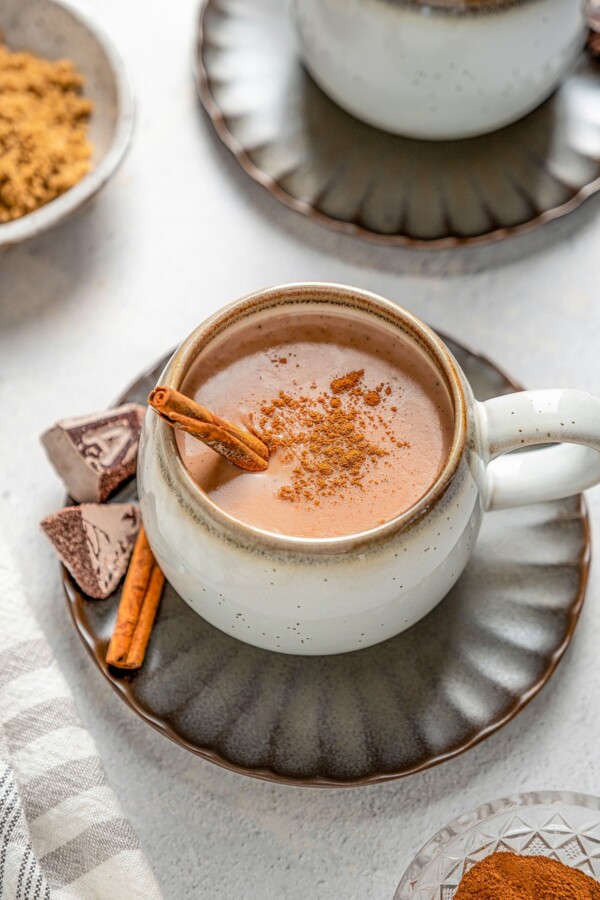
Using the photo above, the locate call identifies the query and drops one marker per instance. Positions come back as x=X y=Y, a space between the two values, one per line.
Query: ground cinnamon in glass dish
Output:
x=44 y=149
x=507 y=876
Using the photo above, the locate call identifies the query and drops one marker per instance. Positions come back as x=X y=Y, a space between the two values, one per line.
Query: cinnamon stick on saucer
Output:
x=141 y=595
x=240 y=447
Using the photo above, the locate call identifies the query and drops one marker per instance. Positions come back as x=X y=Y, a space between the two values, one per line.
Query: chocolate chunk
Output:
x=593 y=42
x=94 y=542
x=95 y=454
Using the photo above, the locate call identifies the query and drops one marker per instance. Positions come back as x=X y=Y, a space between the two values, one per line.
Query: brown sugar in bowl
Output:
x=57 y=29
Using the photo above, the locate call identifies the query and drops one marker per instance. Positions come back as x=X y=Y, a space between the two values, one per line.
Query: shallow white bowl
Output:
x=61 y=28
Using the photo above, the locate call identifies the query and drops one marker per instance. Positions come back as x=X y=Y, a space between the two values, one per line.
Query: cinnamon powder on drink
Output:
x=44 y=149
x=327 y=435
x=507 y=876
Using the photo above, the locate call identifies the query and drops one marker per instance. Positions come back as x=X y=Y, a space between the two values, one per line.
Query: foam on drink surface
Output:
x=358 y=421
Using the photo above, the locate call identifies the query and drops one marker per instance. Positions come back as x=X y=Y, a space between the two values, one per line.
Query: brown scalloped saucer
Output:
x=320 y=161
x=376 y=714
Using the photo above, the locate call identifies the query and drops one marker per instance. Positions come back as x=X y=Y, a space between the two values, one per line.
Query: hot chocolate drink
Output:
x=358 y=421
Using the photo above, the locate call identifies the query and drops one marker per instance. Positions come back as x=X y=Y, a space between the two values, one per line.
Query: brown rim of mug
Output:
x=460 y=7
x=303 y=293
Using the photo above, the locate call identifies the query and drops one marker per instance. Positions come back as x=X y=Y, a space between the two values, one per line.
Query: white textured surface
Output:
x=179 y=232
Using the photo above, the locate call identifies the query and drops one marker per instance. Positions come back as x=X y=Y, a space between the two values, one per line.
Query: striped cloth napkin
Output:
x=62 y=833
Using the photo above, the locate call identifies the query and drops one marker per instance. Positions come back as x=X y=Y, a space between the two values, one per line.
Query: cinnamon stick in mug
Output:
x=240 y=447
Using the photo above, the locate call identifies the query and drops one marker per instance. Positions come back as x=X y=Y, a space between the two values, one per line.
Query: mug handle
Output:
x=567 y=417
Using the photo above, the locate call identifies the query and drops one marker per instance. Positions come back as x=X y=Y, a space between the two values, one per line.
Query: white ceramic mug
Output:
x=439 y=69
x=329 y=595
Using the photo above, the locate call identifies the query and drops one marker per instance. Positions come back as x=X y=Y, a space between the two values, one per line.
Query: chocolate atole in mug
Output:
x=357 y=420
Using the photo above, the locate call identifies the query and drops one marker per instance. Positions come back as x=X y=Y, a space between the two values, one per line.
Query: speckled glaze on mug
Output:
x=332 y=595
x=439 y=69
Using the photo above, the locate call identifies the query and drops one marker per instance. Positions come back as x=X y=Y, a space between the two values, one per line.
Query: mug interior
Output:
x=337 y=300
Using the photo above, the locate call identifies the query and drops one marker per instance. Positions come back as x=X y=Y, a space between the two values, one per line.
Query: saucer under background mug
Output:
x=320 y=161
x=421 y=698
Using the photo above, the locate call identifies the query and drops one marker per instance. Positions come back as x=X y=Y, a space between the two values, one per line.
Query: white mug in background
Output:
x=439 y=69
x=330 y=595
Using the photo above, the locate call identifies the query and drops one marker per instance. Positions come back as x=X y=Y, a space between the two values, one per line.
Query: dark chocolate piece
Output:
x=593 y=42
x=94 y=542
x=95 y=454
